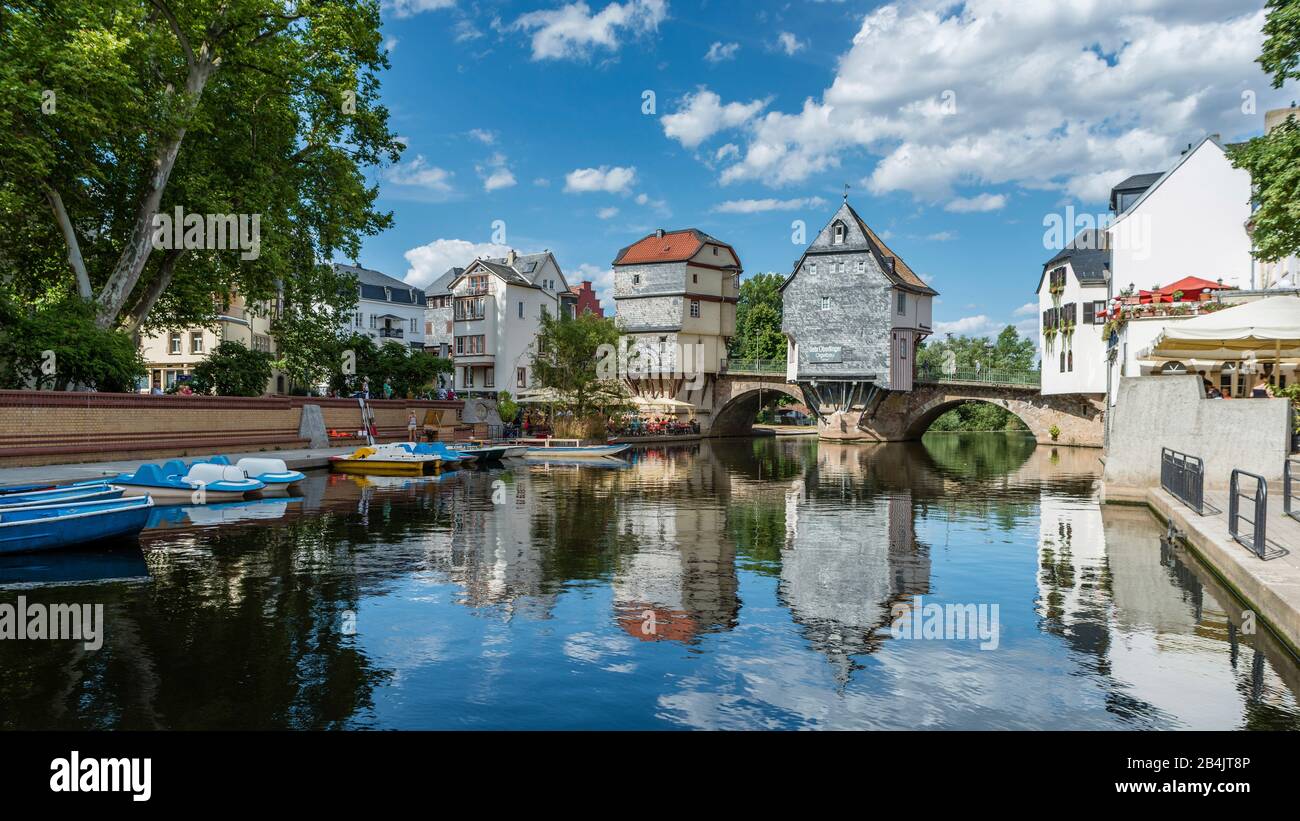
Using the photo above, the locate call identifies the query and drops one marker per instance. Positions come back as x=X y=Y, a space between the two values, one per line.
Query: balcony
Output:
x=391 y=333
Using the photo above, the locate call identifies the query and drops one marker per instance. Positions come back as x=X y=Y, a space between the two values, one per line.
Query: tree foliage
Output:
x=1273 y=160
x=232 y=370
x=758 y=320
x=566 y=359
x=407 y=372
x=117 y=110
x=58 y=346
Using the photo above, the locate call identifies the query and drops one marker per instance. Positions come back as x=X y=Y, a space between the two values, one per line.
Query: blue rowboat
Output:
x=64 y=495
x=7 y=489
x=50 y=527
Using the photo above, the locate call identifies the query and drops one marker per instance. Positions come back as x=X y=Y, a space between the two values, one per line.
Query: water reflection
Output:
x=739 y=583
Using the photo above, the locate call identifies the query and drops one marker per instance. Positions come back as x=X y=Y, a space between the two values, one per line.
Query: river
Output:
x=748 y=583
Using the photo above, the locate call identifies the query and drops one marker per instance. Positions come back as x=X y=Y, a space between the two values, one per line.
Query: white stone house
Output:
x=388 y=309
x=1072 y=299
x=497 y=305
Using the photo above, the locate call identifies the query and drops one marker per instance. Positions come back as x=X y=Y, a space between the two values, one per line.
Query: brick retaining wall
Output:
x=58 y=427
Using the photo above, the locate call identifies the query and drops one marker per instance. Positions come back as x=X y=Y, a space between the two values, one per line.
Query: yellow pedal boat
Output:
x=385 y=461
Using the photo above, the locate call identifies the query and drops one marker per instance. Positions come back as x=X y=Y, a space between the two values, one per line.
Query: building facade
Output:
x=497 y=306
x=171 y=356
x=676 y=294
x=439 y=330
x=854 y=316
x=1072 y=299
x=586 y=301
x=388 y=309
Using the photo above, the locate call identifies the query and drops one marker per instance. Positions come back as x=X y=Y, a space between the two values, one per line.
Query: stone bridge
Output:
x=904 y=416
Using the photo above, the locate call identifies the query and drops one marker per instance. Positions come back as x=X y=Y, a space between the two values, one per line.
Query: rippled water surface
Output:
x=731 y=584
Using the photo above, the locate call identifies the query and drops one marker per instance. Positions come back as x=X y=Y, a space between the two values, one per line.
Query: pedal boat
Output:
x=56 y=526
x=386 y=460
x=273 y=473
x=172 y=483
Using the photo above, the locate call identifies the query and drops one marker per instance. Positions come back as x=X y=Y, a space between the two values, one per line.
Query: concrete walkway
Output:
x=1271 y=587
x=305 y=459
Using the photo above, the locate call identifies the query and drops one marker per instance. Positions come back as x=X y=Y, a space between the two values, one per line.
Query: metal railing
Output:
x=995 y=377
x=1291 y=487
x=1183 y=477
x=1256 y=539
x=755 y=366
x=391 y=333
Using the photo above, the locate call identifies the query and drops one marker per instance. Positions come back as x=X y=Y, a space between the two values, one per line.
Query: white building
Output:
x=171 y=356
x=497 y=310
x=439 y=333
x=388 y=309
x=1189 y=221
x=1072 y=295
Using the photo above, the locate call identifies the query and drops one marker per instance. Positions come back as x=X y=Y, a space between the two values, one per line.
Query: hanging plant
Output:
x=1049 y=335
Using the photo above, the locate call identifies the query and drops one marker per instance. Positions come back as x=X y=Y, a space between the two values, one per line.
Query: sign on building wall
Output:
x=824 y=354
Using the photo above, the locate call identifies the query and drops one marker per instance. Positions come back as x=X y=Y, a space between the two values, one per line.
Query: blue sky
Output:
x=959 y=126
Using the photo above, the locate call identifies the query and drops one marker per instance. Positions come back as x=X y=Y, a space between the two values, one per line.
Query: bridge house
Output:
x=676 y=294
x=854 y=316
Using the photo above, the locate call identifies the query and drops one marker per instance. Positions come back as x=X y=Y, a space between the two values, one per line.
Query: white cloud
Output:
x=418 y=173
x=701 y=115
x=1034 y=93
x=757 y=206
x=978 y=325
x=790 y=44
x=572 y=31
x=483 y=136
x=726 y=152
x=941 y=236
x=607 y=213
x=1028 y=309
x=390 y=44
x=406 y=8
x=542 y=182
x=433 y=259
x=614 y=180
x=466 y=31
x=977 y=204
x=718 y=52
x=602 y=282
x=495 y=173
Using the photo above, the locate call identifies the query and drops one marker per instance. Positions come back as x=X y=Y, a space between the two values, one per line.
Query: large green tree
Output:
x=1009 y=351
x=118 y=110
x=568 y=358
x=758 y=320
x=1273 y=160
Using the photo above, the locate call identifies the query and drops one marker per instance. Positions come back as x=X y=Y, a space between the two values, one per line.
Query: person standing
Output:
x=410 y=427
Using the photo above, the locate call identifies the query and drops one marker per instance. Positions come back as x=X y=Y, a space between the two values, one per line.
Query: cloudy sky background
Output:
x=959 y=127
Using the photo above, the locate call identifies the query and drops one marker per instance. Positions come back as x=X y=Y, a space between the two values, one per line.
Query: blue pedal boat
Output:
x=175 y=483
x=62 y=495
x=55 y=526
x=273 y=473
x=450 y=456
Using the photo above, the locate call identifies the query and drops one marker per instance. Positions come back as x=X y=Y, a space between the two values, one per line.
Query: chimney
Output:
x=511 y=257
x=659 y=232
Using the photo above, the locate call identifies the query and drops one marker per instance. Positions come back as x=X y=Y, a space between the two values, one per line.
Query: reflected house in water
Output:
x=842 y=574
x=680 y=580
x=1074 y=578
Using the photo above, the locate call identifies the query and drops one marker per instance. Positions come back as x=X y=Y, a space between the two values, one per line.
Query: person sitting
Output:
x=1261 y=388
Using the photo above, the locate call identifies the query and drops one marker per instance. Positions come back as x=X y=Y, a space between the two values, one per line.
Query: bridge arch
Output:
x=739 y=402
x=923 y=417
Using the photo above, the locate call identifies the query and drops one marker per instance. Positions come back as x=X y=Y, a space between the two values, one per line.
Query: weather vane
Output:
x=846 y=192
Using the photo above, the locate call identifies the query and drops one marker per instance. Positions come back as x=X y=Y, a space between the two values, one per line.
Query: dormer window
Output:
x=837 y=233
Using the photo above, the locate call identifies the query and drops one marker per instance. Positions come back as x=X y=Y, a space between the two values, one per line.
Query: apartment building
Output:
x=170 y=356
x=388 y=309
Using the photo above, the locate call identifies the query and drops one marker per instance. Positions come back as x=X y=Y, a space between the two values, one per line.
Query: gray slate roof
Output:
x=381 y=287
x=1088 y=255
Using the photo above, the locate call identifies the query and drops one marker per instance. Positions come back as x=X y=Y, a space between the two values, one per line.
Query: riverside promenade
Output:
x=297 y=459
x=1272 y=587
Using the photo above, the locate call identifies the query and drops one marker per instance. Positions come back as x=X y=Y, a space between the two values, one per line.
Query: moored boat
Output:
x=64 y=495
x=386 y=460
x=172 y=483
x=54 y=526
x=568 y=449
x=273 y=473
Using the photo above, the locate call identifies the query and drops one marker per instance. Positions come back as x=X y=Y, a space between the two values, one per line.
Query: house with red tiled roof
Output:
x=675 y=293
x=585 y=300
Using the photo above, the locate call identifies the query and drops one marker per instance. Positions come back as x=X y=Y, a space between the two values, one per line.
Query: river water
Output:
x=727 y=584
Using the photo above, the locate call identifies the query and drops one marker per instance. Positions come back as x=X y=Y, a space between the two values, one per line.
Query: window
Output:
x=489 y=377
x=1099 y=312
x=175 y=343
x=521 y=377
x=372 y=320
x=469 y=377
x=1089 y=313
x=470 y=308
x=695 y=307
x=460 y=345
x=1062 y=360
x=695 y=278
x=1057 y=279
x=838 y=233
x=862 y=266
x=358 y=319
x=196 y=342
x=521 y=310
x=415 y=328
x=902 y=303
x=812 y=267
x=826 y=303
x=636 y=279
x=470 y=345
x=1069 y=360
x=715 y=250
x=1051 y=318
x=478 y=284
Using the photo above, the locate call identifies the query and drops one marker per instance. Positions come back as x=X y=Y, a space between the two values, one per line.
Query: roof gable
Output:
x=672 y=246
x=1155 y=186
x=859 y=236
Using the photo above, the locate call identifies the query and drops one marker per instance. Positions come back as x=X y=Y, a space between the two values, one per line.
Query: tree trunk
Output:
x=145 y=303
x=126 y=273
x=70 y=241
